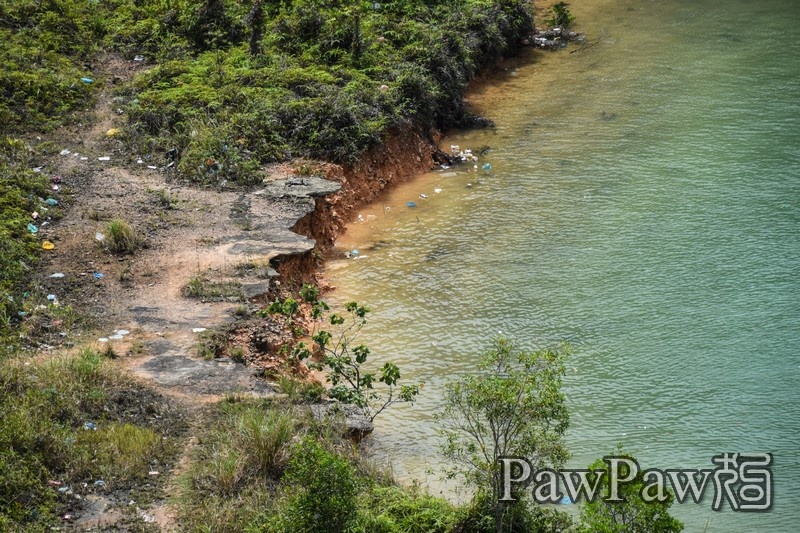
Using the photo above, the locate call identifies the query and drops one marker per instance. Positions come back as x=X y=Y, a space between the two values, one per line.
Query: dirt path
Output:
x=213 y=238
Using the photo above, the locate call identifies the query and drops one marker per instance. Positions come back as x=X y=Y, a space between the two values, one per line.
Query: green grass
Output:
x=121 y=238
x=74 y=419
x=268 y=466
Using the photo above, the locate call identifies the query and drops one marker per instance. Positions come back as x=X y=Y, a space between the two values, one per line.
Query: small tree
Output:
x=338 y=353
x=512 y=407
x=561 y=15
x=630 y=515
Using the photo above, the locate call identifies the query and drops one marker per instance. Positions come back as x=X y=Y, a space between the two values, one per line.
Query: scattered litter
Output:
x=99 y=483
x=98 y=275
x=116 y=337
x=87 y=80
x=113 y=132
x=55 y=179
x=198 y=330
x=411 y=204
x=53 y=482
x=153 y=473
x=146 y=518
x=84 y=158
x=47 y=245
x=102 y=339
x=104 y=158
x=423 y=196
x=487 y=166
x=67 y=516
x=63 y=489
x=57 y=275
x=566 y=500
x=99 y=237
x=355 y=253
x=121 y=331
x=437 y=191
x=33 y=228
x=139 y=161
x=55 y=188
x=469 y=185
x=384 y=88
x=152 y=167
x=22 y=314
x=90 y=426
x=64 y=152
x=34 y=215
x=37 y=169
x=138 y=58
x=455 y=148
x=52 y=202
x=51 y=297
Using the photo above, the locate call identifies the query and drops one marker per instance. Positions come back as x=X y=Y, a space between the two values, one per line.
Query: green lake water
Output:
x=643 y=204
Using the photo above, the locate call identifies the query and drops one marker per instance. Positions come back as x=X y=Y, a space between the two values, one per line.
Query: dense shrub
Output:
x=330 y=79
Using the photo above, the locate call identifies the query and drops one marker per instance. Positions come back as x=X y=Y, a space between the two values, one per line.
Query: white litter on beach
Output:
x=198 y=330
x=104 y=158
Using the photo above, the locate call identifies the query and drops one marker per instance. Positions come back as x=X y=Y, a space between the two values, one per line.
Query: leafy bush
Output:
x=324 y=489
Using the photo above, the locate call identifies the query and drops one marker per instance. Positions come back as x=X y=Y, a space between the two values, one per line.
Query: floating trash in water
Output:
x=355 y=253
x=64 y=152
x=437 y=191
x=104 y=158
x=411 y=204
x=487 y=166
x=98 y=275
x=52 y=202
x=33 y=228
x=87 y=80
x=198 y=330
x=423 y=196
x=47 y=245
